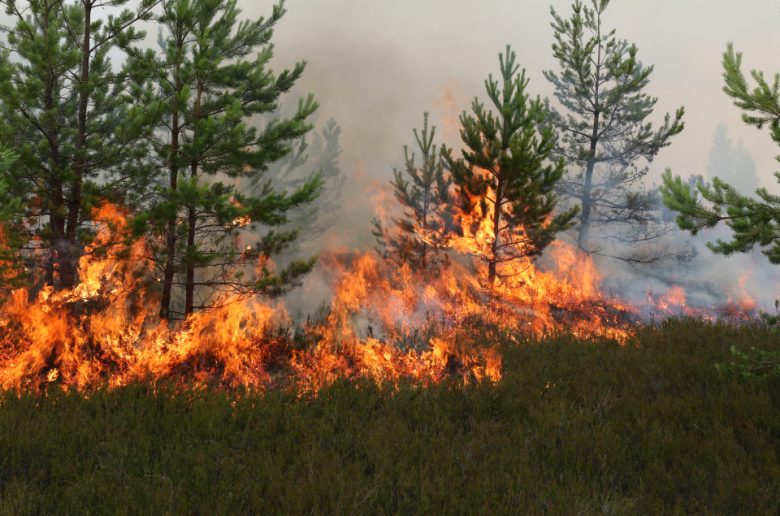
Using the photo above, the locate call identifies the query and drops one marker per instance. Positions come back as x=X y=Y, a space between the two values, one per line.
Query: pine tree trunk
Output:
x=56 y=200
x=68 y=270
x=56 y=227
x=189 y=292
x=170 y=231
x=493 y=261
x=424 y=253
x=189 y=288
x=584 y=235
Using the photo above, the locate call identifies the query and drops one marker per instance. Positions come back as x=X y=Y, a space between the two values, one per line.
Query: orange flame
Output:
x=384 y=323
x=104 y=332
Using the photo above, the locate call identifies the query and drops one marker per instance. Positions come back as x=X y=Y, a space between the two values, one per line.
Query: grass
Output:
x=573 y=427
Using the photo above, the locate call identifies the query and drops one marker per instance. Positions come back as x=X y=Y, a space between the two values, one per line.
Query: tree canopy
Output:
x=753 y=220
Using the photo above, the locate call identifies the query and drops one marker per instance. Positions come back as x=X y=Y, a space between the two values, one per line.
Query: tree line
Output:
x=183 y=136
x=535 y=169
x=194 y=140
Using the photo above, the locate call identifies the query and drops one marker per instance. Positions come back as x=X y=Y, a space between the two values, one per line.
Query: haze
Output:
x=377 y=65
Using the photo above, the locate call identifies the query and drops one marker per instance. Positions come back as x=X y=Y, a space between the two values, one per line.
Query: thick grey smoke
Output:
x=376 y=66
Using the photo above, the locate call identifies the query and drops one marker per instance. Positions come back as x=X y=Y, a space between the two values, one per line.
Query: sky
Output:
x=377 y=65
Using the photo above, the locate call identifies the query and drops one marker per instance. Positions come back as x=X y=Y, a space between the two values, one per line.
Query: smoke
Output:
x=376 y=66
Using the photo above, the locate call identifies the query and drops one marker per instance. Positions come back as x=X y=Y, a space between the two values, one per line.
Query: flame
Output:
x=386 y=324
x=675 y=302
x=374 y=330
x=745 y=301
x=566 y=297
x=104 y=331
x=674 y=299
x=240 y=222
x=448 y=111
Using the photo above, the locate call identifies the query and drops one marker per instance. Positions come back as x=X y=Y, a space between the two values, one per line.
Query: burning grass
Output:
x=647 y=427
x=384 y=323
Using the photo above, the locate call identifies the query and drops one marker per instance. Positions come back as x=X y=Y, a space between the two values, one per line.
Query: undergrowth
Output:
x=649 y=427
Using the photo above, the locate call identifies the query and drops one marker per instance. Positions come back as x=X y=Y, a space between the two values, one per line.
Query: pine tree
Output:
x=505 y=173
x=731 y=162
x=754 y=221
x=423 y=190
x=67 y=113
x=319 y=154
x=12 y=270
x=209 y=89
x=605 y=133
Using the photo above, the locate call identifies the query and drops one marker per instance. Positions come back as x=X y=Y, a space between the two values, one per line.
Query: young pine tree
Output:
x=505 y=173
x=11 y=237
x=605 y=134
x=422 y=234
x=211 y=78
x=65 y=110
x=754 y=221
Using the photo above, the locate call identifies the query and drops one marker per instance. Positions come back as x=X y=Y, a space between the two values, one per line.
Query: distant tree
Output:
x=753 y=221
x=606 y=137
x=505 y=174
x=207 y=90
x=318 y=154
x=731 y=162
x=11 y=236
x=423 y=231
x=65 y=110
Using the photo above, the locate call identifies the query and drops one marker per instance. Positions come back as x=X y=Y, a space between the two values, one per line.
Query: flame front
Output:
x=105 y=331
x=384 y=323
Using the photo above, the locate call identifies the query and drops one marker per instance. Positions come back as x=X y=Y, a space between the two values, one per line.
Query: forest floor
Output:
x=573 y=427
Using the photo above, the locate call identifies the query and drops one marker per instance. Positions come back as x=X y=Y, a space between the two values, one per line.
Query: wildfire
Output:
x=105 y=331
x=241 y=222
x=673 y=300
x=384 y=323
x=567 y=296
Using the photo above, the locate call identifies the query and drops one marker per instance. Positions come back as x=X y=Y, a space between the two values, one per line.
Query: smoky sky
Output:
x=377 y=65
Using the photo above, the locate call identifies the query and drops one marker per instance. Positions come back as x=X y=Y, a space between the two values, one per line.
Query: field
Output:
x=573 y=427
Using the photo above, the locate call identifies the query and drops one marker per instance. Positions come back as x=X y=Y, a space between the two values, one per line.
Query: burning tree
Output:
x=423 y=233
x=605 y=132
x=206 y=89
x=65 y=110
x=752 y=220
x=504 y=179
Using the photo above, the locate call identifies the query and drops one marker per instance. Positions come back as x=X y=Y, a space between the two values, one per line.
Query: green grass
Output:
x=573 y=428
